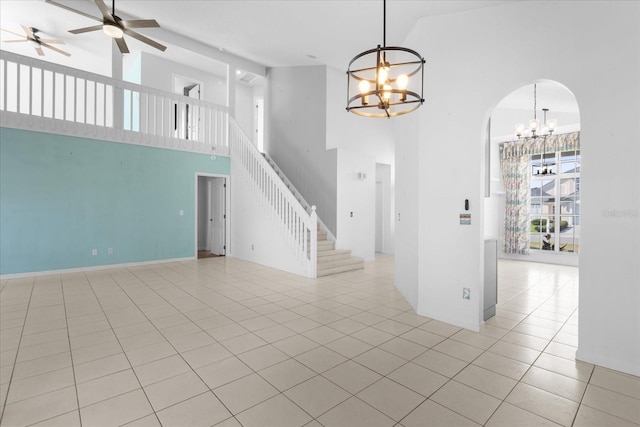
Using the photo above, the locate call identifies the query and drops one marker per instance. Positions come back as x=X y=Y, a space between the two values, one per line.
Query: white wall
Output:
x=471 y=64
x=244 y=109
x=256 y=236
x=158 y=73
x=295 y=135
x=356 y=207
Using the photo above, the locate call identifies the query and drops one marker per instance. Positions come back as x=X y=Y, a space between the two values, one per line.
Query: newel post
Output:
x=313 y=253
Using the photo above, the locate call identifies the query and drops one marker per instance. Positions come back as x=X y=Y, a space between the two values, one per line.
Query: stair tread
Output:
x=340 y=263
x=334 y=252
x=341 y=269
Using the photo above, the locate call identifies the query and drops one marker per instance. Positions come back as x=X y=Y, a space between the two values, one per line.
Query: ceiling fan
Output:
x=115 y=27
x=31 y=34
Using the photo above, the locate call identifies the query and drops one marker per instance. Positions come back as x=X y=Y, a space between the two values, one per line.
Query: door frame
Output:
x=227 y=225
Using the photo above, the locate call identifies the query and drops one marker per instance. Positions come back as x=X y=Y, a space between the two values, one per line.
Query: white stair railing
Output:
x=41 y=96
x=299 y=227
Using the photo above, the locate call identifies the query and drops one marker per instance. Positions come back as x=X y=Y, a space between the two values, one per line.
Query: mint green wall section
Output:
x=61 y=197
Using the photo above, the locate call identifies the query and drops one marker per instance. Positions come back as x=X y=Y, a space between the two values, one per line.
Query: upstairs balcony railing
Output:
x=42 y=96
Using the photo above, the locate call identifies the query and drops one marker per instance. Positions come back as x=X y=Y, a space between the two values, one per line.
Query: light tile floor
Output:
x=224 y=342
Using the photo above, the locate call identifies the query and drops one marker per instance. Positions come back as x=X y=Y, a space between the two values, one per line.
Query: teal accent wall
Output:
x=61 y=197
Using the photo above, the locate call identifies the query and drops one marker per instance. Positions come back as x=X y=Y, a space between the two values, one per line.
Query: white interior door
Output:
x=218 y=217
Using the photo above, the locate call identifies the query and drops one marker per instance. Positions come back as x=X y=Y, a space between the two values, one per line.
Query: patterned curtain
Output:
x=514 y=157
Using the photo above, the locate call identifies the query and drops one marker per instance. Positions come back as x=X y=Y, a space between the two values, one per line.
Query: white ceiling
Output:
x=269 y=33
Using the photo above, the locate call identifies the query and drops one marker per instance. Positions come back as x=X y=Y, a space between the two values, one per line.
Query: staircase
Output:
x=330 y=260
x=333 y=261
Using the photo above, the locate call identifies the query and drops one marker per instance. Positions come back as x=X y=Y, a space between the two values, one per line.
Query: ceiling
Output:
x=268 y=33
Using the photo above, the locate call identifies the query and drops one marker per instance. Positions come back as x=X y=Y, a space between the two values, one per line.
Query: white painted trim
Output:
x=227 y=238
x=92 y=268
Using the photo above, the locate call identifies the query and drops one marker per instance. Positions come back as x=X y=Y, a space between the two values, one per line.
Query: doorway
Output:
x=187 y=116
x=211 y=216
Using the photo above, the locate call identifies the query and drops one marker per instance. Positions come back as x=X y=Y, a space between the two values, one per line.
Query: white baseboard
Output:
x=93 y=268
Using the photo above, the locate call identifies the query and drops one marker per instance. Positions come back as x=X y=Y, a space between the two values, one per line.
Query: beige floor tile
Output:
x=514 y=351
x=162 y=369
x=141 y=340
x=317 y=395
x=223 y=372
x=192 y=341
x=41 y=366
x=257 y=323
x=486 y=381
x=392 y=399
x=403 y=348
x=295 y=345
x=287 y=374
x=525 y=340
x=354 y=412
x=508 y=415
x=560 y=385
x=118 y=410
x=40 y=384
x=570 y=368
x=148 y=421
x=225 y=332
x=39 y=408
x=411 y=318
x=347 y=326
x=301 y=325
x=380 y=361
x=42 y=350
x=150 y=353
x=101 y=367
x=393 y=327
x=628 y=385
x=424 y=338
x=323 y=334
x=106 y=387
x=441 y=363
x=458 y=350
x=173 y=390
x=245 y=393
x=70 y=419
x=473 y=339
x=263 y=357
x=502 y=365
x=243 y=343
x=418 y=379
x=352 y=376
x=206 y=355
x=438 y=416
x=348 y=346
x=542 y=403
x=589 y=417
x=439 y=328
x=372 y=336
x=466 y=401
x=203 y=410
x=561 y=350
x=275 y=412
x=320 y=359
x=613 y=403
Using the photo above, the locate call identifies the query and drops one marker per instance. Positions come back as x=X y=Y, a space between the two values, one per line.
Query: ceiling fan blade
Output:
x=144 y=39
x=28 y=31
x=15 y=34
x=105 y=10
x=140 y=23
x=86 y=29
x=14 y=41
x=122 y=45
x=73 y=10
x=52 y=41
x=55 y=49
x=39 y=51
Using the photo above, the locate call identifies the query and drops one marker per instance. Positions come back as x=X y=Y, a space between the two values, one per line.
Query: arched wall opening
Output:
x=553 y=197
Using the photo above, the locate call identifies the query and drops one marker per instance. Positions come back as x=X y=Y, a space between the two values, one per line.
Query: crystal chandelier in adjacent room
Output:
x=386 y=81
x=534 y=132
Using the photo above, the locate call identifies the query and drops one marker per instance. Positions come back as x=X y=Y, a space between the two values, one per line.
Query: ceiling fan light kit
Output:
x=387 y=81
x=115 y=27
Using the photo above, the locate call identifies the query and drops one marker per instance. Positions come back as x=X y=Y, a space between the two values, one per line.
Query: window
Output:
x=554 y=212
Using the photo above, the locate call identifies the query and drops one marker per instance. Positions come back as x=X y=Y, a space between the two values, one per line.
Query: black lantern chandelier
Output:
x=534 y=132
x=386 y=81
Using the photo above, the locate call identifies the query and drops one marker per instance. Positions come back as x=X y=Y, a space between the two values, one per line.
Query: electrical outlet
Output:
x=466 y=293
x=94 y=252
x=110 y=251
x=252 y=248
x=181 y=212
